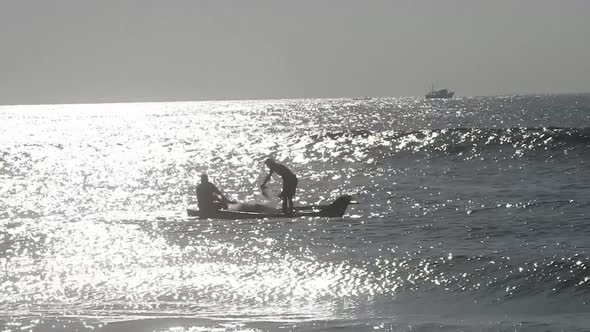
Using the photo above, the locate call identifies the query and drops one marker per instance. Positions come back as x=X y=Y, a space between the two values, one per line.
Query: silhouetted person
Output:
x=289 y=183
x=209 y=197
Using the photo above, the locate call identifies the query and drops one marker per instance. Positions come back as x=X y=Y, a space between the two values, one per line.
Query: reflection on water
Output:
x=93 y=228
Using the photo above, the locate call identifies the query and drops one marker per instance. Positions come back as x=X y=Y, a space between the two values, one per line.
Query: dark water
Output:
x=472 y=216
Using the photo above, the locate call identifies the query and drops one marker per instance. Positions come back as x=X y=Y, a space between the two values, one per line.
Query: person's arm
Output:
x=266 y=179
x=216 y=190
x=220 y=194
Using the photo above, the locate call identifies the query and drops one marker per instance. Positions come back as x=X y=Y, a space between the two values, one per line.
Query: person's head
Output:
x=204 y=178
x=269 y=162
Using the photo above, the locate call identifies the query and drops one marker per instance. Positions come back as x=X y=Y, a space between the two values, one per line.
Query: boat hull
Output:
x=336 y=209
x=440 y=94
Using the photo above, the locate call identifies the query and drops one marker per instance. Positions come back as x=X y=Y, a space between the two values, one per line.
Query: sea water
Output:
x=472 y=215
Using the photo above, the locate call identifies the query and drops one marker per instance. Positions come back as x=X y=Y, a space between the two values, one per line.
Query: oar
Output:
x=308 y=207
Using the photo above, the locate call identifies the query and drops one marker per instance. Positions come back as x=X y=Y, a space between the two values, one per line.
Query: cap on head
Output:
x=204 y=177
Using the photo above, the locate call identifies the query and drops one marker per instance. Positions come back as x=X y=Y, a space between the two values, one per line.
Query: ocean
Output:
x=472 y=215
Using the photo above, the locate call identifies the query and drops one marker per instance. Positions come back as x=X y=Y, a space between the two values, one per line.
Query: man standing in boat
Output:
x=209 y=197
x=289 y=183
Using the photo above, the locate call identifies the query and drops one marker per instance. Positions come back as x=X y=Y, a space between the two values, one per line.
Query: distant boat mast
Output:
x=439 y=94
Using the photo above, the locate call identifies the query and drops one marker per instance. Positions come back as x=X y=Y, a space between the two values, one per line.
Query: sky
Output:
x=71 y=51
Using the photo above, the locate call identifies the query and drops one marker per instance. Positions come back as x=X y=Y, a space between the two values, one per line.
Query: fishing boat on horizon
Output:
x=439 y=94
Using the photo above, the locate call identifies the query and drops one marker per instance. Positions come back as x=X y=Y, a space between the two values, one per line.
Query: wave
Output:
x=493 y=277
x=460 y=140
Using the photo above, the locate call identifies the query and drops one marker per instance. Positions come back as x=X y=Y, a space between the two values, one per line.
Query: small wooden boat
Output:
x=336 y=209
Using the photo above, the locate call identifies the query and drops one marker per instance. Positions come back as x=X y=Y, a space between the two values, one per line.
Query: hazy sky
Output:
x=64 y=51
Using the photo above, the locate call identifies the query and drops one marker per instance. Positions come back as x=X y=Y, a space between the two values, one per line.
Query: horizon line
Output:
x=276 y=99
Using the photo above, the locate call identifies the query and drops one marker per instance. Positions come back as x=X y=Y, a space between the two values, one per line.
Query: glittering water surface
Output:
x=472 y=215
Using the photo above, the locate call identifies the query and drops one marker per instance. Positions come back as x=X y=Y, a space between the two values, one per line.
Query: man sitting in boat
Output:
x=289 y=183
x=209 y=197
